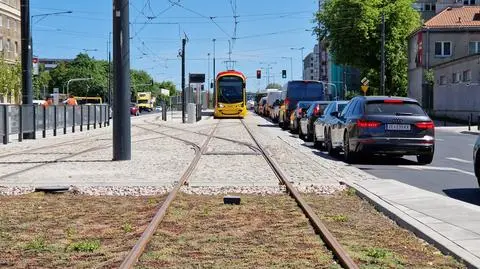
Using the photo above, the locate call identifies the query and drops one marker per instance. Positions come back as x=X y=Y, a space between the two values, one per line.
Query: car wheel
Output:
x=348 y=155
x=477 y=168
x=425 y=158
x=328 y=141
x=300 y=134
x=316 y=144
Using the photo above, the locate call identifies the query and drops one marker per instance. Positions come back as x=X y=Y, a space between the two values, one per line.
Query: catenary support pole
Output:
x=121 y=57
x=184 y=41
x=26 y=37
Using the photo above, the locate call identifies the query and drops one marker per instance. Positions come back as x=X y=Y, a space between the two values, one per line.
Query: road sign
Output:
x=364 y=88
x=365 y=81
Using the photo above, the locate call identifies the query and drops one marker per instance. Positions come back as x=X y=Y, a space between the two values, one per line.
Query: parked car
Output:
x=476 y=161
x=306 y=123
x=298 y=114
x=322 y=124
x=250 y=104
x=392 y=126
x=295 y=91
x=275 y=111
x=262 y=106
x=134 y=109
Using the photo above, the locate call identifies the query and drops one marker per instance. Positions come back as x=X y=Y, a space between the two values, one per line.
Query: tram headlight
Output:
x=221 y=106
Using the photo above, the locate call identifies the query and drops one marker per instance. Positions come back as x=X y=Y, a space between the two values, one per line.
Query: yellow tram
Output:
x=230 y=95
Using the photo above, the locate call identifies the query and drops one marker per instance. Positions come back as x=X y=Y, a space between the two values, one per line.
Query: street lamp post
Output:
x=72 y=80
x=300 y=49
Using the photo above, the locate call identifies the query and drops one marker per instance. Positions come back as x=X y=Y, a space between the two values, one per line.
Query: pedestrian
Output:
x=47 y=103
x=72 y=101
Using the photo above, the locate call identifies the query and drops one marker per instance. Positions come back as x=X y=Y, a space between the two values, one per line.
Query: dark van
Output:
x=298 y=90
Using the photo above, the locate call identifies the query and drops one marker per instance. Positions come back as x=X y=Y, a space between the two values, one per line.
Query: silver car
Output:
x=476 y=161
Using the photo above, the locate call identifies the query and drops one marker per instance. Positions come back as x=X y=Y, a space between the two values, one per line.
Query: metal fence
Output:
x=20 y=119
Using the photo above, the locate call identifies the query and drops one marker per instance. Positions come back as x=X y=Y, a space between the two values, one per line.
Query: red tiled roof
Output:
x=456 y=17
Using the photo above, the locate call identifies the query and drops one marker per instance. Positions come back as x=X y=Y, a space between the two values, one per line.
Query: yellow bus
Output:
x=230 y=95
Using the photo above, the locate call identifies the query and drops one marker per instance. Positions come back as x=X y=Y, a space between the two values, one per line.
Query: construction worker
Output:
x=72 y=101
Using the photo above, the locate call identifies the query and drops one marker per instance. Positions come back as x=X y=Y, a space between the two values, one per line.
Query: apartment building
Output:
x=10 y=30
x=449 y=45
x=311 y=64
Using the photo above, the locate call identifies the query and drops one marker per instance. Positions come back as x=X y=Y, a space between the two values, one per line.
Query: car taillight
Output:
x=316 y=111
x=425 y=125
x=368 y=124
x=287 y=102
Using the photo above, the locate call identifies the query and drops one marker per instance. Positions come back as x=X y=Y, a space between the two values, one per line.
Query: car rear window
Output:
x=305 y=90
x=341 y=107
x=404 y=108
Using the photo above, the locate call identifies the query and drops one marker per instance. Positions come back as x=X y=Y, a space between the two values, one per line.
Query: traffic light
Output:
x=284 y=73
x=259 y=74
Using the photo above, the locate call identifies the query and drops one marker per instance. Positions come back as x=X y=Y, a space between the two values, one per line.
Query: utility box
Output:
x=192 y=113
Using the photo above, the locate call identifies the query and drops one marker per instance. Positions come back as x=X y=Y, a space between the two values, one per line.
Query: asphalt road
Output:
x=451 y=172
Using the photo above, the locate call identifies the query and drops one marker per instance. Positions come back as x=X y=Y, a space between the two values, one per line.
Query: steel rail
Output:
x=137 y=251
x=339 y=252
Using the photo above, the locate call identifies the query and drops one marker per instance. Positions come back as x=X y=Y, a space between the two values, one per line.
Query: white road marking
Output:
x=435 y=168
x=439 y=139
x=458 y=160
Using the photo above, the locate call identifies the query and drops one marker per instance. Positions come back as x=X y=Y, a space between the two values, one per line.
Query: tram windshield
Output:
x=230 y=89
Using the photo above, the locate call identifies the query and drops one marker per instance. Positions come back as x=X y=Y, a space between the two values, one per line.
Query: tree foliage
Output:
x=10 y=79
x=353 y=30
x=274 y=86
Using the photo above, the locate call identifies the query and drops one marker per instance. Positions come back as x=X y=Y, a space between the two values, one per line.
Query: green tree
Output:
x=274 y=86
x=353 y=30
x=40 y=82
x=82 y=67
x=10 y=79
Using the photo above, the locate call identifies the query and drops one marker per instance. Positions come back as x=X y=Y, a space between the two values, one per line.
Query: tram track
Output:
x=332 y=244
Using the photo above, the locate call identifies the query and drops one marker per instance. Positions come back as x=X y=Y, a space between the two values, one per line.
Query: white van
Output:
x=272 y=96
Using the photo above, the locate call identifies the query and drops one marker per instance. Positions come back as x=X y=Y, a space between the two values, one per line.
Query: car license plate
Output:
x=398 y=127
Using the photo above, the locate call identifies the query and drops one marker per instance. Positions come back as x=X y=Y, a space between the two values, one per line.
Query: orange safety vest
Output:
x=72 y=101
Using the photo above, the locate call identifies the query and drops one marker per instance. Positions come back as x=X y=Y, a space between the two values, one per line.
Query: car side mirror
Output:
x=334 y=114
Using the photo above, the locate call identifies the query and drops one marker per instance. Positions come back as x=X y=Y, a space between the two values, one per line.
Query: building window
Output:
x=434 y=7
x=467 y=76
x=1 y=43
x=427 y=7
x=469 y=2
x=311 y=64
x=443 y=80
x=456 y=77
x=474 y=47
x=1 y=21
x=8 y=23
x=311 y=77
x=443 y=49
x=16 y=48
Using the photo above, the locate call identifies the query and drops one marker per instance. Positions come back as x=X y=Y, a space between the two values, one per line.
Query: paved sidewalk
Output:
x=451 y=225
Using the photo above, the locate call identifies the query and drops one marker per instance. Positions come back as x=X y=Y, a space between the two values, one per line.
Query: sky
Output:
x=264 y=35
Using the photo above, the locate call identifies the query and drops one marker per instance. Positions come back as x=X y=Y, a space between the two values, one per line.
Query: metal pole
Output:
x=122 y=144
x=44 y=132
x=73 y=119
x=214 y=98
x=55 y=120
x=382 y=78
x=26 y=43
x=208 y=81
x=6 y=122
x=81 y=118
x=64 y=119
x=184 y=41
x=20 y=123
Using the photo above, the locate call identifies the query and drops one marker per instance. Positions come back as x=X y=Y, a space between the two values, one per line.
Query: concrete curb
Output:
x=446 y=246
